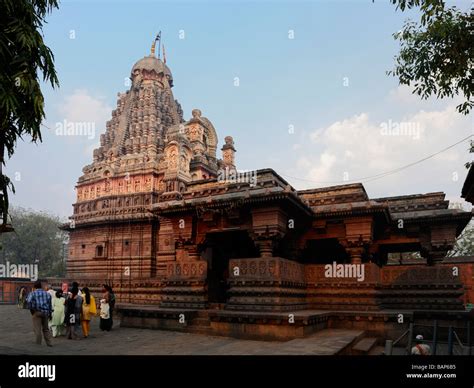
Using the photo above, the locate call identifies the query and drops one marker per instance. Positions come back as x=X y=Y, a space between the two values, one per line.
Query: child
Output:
x=105 y=320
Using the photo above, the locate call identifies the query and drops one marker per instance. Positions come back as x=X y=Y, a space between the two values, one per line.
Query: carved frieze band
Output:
x=273 y=268
x=186 y=270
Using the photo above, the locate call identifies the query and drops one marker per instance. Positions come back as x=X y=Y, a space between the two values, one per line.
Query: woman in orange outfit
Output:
x=89 y=309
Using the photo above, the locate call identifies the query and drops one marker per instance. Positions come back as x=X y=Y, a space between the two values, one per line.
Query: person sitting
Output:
x=105 y=320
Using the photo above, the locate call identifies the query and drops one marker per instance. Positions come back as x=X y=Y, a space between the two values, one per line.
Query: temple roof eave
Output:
x=352 y=209
x=226 y=200
x=432 y=214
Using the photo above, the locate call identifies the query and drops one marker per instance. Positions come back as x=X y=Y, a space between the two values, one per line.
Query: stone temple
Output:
x=167 y=219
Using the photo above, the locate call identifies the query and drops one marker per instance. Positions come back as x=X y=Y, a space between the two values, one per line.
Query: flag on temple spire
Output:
x=157 y=39
x=164 y=54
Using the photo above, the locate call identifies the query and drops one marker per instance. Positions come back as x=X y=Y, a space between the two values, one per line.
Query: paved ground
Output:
x=16 y=337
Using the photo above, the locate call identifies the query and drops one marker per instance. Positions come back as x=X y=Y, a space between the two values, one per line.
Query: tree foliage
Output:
x=24 y=57
x=35 y=240
x=464 y=245
x=471 y=150
x=437 y=55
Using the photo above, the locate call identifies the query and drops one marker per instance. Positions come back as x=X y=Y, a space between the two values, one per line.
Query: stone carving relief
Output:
x=172 y=157
x=187 y=270
x=194 y=132
x=184 y=164
x=148 y=184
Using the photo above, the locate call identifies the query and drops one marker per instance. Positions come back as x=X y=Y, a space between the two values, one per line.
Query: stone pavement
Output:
x=16 y=337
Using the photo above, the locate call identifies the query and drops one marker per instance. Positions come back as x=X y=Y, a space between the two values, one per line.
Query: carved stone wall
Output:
x=391 y=287
x=343 y=293
x=421 y=287
x=266 y=284
x=113 y=252
x=185 y=285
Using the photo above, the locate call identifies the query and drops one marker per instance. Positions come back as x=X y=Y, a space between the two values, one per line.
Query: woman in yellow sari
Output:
x=89 y=309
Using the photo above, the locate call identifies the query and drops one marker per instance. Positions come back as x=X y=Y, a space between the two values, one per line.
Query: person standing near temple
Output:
x=89 y=309
x=50 y=291
x=22 y=297
x=57 y=321
x=105 y=317
x=39 y=303
x=76 y=285
x=73 y=314
x=111 y=304
x=420 y=349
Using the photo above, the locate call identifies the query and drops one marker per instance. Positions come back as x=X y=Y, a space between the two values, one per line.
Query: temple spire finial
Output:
x=153 y=45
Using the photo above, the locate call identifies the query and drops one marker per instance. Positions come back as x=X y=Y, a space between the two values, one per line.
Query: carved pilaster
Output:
x=265 y=246
x=355 y=253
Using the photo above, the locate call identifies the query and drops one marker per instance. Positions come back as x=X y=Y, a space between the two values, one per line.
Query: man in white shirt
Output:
x=50 y=291
x=420 y=349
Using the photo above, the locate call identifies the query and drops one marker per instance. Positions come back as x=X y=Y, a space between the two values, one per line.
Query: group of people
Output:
x=55 y=313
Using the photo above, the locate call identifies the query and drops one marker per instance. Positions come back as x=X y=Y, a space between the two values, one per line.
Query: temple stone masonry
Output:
x=172 y=224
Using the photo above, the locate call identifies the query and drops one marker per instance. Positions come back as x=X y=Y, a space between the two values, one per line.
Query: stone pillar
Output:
x=228 y=153
x=434 y=253
x=265 y=246
x=435 y=257
x=355 y=254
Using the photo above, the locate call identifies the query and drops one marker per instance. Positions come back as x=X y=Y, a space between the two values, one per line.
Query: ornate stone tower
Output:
x=148 y=154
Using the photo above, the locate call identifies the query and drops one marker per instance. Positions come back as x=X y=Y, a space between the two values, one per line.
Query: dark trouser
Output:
x=105 y=324
x=40 y=327
x=72 y=331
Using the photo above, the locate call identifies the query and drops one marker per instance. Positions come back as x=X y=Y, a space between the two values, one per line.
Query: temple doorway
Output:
x=324 y=251
x=220 y=248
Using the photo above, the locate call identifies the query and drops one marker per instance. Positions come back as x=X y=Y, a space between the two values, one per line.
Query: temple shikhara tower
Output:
x=164 y=215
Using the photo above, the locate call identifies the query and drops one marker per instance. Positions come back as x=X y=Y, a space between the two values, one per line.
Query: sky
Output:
x=300 y=85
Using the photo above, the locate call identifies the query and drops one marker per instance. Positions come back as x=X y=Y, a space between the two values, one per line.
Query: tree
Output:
x=35 y=240
x=471 y=150
x=23 y=55
x=464 y=245
x=437 y=55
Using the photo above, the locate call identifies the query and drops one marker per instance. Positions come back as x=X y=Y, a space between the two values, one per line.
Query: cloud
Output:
x=359 y=147
x=403 y=97
x=82 y=117
x=81 y=106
